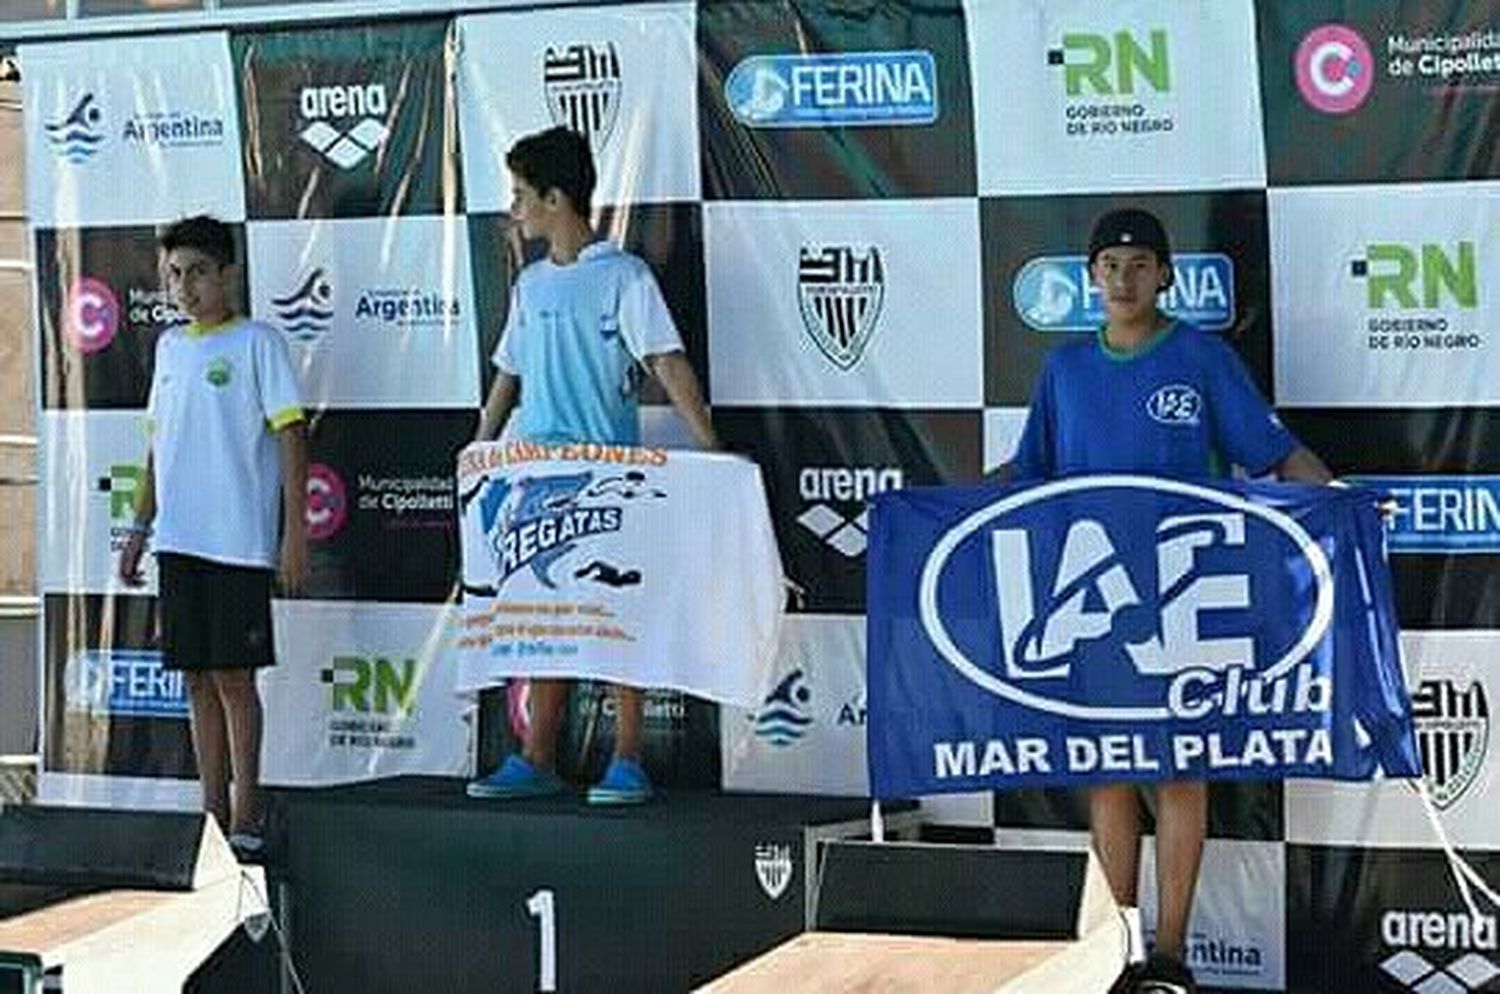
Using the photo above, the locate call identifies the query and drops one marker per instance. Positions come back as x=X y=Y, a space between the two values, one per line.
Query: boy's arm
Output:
x=1304 y=466
x=497 y=407
x=293 y=566
x=140 y=528
x=676 y=376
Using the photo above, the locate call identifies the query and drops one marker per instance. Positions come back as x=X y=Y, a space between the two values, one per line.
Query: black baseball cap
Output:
x=1134 y=227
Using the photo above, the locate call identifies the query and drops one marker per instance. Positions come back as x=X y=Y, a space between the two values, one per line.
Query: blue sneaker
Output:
x=516 y=777
x=625 y=782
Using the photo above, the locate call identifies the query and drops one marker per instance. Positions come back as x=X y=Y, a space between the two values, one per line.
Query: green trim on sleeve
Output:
x=284 y=417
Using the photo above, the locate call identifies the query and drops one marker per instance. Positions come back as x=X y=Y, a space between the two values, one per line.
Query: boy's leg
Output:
x=547 y=699
x=1115 y=824
x=630 y=709
x=244 y=718
x=210 y=744
x=1181 y=824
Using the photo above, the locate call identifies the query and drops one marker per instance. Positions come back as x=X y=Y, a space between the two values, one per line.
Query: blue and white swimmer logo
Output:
x=783 y=718
x=77 y=135
x=1175 y=404
x=1091 y=617
x=1054 y=292
x=844 y=89
x=306 y=314
x=1440 y=514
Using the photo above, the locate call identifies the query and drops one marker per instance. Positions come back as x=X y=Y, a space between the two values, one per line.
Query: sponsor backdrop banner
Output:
x=869 y=222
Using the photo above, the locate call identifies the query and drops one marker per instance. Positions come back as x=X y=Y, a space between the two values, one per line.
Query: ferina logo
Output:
x=220 y=371
x=91 y=315
x=783 y=718
x=1083 y=589
x=306 y=314
x=126 y=683
x=1453 y=733
x=845 y=89
x=1056 y=292
x=364 y=103
x=1109 y=66
x=583 y=85
x=79 y=133
x=1394 y=274
x=371 y=685
x=1334 y=69
x=1440 y=514
x=829 y=488
x=327 y=502
x=841 y=290
x=1175 y=404
x=773 y=868
x=1435 y=931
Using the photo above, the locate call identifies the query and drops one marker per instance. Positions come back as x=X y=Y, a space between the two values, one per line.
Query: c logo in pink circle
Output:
x=91 y=315
x=1335 y=69
x=327 y=506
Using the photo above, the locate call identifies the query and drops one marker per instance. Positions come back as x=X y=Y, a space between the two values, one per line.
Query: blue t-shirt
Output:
x=1180 y=406
x=574 y=335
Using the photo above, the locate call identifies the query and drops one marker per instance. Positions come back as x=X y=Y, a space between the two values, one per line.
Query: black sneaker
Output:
x=1165 y=975
x=1125 y=982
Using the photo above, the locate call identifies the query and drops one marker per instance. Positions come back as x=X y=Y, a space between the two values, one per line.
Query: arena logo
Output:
x=327 y=502
x=843 y=89
x=363 y=103
x=1334 y=68
x=1056 y=292
x=583 y=87
x=839 y=511
x=305 y=315
x=1110 y=66
x=783 y=718
x=773 y=868
x=1084 y=591
x=1453 y=733
x=129 y=683
x=1440 y=514
x=79 y=134
x=1417 y=935
x=91 y=315
x=840 y=293
x=535 y=522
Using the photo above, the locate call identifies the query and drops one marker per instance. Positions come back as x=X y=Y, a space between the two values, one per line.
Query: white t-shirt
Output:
x=218 y=396
x=573 y=335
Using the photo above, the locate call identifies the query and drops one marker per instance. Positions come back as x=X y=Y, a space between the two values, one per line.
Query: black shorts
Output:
x=213 y=616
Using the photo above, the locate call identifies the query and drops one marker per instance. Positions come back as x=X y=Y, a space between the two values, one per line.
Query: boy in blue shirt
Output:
x=1151 y=395
x=580 y=321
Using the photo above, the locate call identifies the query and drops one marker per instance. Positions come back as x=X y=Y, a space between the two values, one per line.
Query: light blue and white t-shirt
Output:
x=574 y=335
x=218 y=396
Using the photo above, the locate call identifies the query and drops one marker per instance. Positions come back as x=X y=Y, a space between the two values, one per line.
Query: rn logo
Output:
x=773 y=868
x=839 y=512
x=783 y=719
x=1056 y=293
x=91 y=315
x=363 y=103
x=371 y=685
x=327 y=502
x=1419 y=934
x=1393 y=274
x=536 y=521
x=845 y=89
x=1453 y=732
x=1109 y=66
x=79 y=133
x=306 y=314
x=1159 y=624
x=841 y=290
x=1334 y=68
x=582 y=84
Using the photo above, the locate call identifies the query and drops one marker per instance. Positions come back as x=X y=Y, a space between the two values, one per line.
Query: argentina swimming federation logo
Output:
x=783 y=717
x=583 y=84
x=1214 y=611
x=841 y=291
x=78 y=134
x=843 y=89
x=1056 y=293
x=305 y=315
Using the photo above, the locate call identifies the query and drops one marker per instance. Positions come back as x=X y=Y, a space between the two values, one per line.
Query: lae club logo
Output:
x=841 y=291
x=783 y=719
x=583 y=85
x=91 y=315
x=78 y=134
x=327 y=502
x=1080 y=591
x=836 y=500
x=773 y=868
x=844 y=89
x=1335 y=69
x=365 y=104
x=306 y=314
x=1453 y=733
